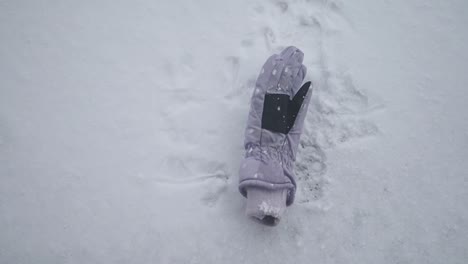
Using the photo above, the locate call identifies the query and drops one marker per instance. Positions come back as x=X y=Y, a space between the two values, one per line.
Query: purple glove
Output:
x=277 y=111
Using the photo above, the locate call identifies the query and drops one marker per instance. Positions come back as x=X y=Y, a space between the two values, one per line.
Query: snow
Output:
x=122 y=124
x=268 y=209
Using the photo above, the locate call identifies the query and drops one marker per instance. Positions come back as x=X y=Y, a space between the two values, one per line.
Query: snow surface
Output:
x=121 y=130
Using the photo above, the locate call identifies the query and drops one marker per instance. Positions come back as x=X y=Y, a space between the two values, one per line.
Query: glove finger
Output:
x=298 y=79
x=292 y=58
x=265 y=73
x=279 y=72
x=275 y=74
x=261 y=87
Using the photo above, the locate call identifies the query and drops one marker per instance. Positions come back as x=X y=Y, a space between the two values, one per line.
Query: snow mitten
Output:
x=277 y=111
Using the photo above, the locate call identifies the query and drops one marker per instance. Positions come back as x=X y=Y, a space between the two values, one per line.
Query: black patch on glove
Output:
x=280 y=113
x=275 y=113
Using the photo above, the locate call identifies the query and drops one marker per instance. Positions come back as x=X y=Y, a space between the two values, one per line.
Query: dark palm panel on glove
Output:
x=279 y=112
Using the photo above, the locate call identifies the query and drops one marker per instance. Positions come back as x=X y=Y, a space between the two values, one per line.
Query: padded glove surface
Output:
x=277 y=111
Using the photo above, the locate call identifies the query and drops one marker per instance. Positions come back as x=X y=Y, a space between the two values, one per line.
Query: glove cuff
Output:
x=266 y=171
x=266 y=206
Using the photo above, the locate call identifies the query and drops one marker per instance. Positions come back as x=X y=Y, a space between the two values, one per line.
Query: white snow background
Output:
x=121 y=131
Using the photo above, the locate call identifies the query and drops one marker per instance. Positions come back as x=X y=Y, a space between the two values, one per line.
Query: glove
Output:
x=276 y=117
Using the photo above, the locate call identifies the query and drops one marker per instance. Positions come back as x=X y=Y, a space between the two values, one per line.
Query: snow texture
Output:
x=121 y=128
x=268 y=209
